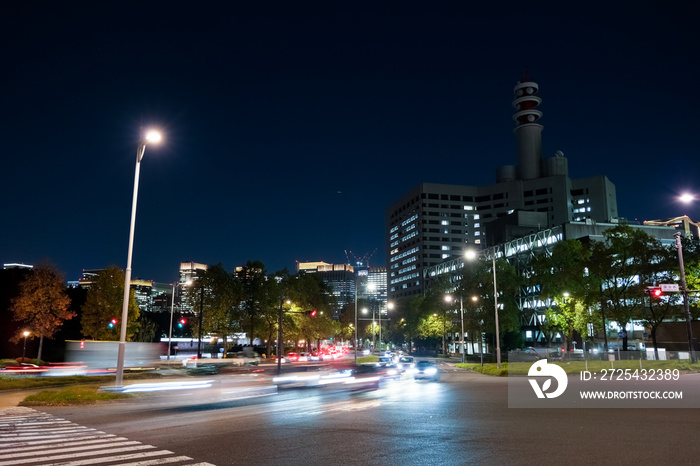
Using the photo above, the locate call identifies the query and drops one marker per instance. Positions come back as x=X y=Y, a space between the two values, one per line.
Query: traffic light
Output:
x=112 y=323
x=310 y=313
x=181 y=323
x=654 y=291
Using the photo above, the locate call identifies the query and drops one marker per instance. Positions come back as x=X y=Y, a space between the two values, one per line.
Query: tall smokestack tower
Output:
x=528 y=133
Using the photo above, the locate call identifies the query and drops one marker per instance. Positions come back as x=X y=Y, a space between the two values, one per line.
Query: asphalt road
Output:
x=462 y=419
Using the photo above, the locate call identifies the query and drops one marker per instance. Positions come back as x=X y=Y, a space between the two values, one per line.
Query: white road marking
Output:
x=29 y=437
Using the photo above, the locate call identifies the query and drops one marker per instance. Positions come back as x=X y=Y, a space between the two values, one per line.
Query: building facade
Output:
x=519 y=253
x=433 y=223
x=369 y=284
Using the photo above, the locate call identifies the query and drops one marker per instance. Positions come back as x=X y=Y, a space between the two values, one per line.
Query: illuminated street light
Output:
x=448 y=298
x=686 y=198
x=357 y=285
x=24 y=350
x=389 y=307
x=150 y=137
x=470 y=255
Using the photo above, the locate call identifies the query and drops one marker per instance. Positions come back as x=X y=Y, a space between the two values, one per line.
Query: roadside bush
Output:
x=8 y=363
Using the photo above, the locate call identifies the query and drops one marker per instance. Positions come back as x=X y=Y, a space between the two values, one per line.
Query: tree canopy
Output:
x=42 y=304
x=104 y=303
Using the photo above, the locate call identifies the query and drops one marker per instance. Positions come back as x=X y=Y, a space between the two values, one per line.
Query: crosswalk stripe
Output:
x=76 y=433
x=36 y=423
x=66 y=450
x=23 y=441
x=17 y=433
x=112 y=458
x=173 y=459
x=29 y=437
x=73 y=455
x=61 y=444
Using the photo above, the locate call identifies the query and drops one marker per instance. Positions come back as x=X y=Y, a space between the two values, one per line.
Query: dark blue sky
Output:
x=290 y=126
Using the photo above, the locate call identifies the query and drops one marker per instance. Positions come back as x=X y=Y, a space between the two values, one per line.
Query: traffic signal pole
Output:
x=684 y=289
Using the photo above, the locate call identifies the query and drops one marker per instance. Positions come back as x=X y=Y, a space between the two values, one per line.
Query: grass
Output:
x=74 y=395
x=31 y=382
x=575 y=367
x=367 y=359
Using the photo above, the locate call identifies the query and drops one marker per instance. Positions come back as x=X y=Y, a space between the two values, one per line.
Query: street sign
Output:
x=669 y=287
x=622 y=334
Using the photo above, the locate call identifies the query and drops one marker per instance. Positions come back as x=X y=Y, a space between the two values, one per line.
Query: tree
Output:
x=309 y=292
x=252 y=277
x=42 y=304
x=477 y=282
x=104 y=303
x=662 y=267
x=223 y=294
x=624 y=256
x=567 y=288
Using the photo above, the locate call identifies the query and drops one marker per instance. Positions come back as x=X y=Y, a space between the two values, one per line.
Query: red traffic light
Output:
x=183 y=321
x=656 y=292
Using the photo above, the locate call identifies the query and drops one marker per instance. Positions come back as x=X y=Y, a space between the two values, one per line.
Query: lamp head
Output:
x=686 y=198
x=153 y=137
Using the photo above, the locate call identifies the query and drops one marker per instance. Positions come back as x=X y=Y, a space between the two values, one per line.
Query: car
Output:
x=406 y=365
x=292 y=357
x=385 y=361
x=303 y=357
x=426 y=370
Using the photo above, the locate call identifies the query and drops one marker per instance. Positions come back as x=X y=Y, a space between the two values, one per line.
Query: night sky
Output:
x=290 y=126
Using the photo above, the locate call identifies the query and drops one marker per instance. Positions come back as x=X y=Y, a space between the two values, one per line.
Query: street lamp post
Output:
x=150 y=137
x=201 y=318
x=280 y=343
x=364 y=311
x=355 y=345
x=170 y=333
x=470 y=255
x=389 y=307
x=461 y=318
x=495 y=305
x=684 y=289
x=24 y=349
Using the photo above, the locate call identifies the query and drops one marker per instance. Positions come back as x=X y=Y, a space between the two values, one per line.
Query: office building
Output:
x=345 y=280
x=433 y=223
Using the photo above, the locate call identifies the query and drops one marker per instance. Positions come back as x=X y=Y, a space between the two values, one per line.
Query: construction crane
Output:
x=362 y=260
